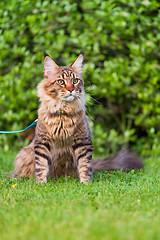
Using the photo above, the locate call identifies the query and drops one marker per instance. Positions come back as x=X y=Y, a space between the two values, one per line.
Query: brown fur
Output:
x=62 y=144
x=124 y=159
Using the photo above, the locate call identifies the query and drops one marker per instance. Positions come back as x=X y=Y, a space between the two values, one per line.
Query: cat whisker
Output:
x=60 y=108
x=86 y=109
x=94 y=100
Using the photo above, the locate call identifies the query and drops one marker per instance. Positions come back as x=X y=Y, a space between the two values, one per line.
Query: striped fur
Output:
x=62 y=144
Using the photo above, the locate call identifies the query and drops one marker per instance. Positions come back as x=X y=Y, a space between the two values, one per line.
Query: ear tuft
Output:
x=45 y=54
x=77 y=64
x=50 y=67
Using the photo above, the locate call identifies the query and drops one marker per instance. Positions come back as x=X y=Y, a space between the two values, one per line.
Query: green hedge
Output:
x=120 y=40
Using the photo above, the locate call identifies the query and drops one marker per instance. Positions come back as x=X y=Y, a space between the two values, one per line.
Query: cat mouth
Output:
x=69 y=98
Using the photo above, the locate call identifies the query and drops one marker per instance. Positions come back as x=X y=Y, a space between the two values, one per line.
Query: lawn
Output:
x=117 y=205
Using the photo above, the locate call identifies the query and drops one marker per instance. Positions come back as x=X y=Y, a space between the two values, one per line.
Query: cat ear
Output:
x=49 y=66
x=77 y=64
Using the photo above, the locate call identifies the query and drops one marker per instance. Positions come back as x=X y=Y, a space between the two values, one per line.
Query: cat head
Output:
x=62 y=86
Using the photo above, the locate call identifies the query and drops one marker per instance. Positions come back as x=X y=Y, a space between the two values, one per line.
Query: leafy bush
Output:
x=120 y=40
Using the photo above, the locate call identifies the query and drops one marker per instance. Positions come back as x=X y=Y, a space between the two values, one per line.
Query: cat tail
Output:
x=24 y=163
x=124 y=159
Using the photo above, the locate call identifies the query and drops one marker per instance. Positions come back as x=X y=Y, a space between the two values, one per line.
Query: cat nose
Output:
x=70 y=88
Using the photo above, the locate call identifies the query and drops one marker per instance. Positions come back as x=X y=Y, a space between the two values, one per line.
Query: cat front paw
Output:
x=86 y=180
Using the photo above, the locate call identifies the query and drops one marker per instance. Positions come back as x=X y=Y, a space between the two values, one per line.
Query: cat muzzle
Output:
x=69 y=98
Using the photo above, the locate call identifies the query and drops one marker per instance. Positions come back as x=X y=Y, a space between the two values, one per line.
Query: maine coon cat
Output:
x=62 y=144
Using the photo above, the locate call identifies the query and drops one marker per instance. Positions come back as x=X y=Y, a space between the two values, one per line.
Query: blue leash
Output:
x=34 y=123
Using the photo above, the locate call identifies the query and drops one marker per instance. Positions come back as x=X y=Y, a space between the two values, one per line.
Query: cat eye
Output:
x=75 y=80
x=60 y=81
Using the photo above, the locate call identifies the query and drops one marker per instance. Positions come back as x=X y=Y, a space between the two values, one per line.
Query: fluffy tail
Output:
x=124 y=159
x=24 y=163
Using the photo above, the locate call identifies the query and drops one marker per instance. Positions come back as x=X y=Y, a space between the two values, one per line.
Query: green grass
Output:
x=117 y=205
